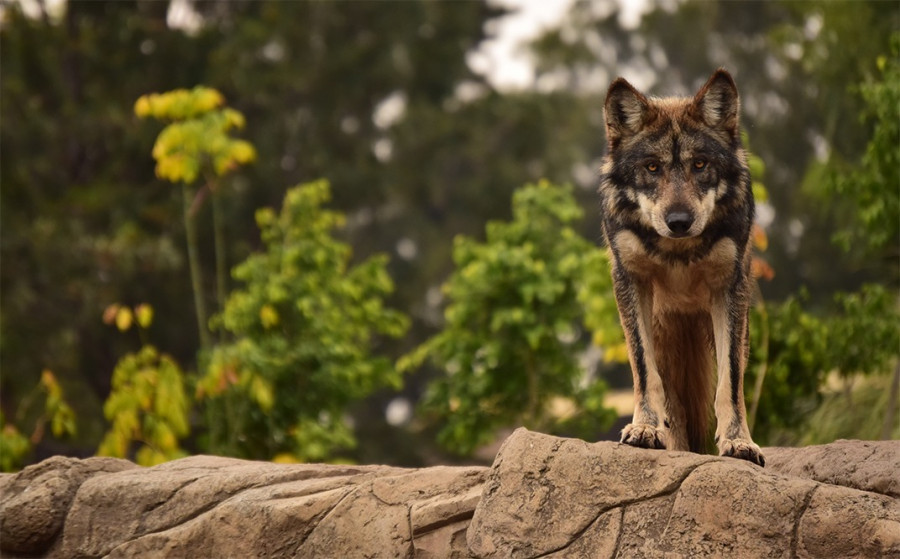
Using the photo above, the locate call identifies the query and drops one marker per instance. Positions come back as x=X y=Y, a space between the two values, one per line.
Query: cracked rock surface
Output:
x=552 y=497
x=206 y=506
x=543 y=497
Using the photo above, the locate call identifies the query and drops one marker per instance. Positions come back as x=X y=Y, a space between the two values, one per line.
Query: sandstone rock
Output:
x=207 y=506
x=865 y=465
x=34 y=503
x=544 y=497
x=552 y=497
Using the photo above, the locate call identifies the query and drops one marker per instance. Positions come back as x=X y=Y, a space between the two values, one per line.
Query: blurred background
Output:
x=333 y=338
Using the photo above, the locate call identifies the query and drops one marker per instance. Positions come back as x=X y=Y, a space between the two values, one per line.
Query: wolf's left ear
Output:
x=717 y=102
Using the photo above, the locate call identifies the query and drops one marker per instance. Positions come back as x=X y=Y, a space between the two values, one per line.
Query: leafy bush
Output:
x=304 y=325
x=55 y=412
x=796 y=351
x=148 y=404
x=514 y=326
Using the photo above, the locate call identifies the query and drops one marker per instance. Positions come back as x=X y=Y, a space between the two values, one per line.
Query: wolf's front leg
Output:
x=730 y=328
x=648 y=427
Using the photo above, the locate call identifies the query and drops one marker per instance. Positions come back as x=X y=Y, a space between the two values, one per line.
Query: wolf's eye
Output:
x=653 y=167
x=700 y=164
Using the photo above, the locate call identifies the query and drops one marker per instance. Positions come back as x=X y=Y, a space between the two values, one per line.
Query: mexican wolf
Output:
x=677 y=210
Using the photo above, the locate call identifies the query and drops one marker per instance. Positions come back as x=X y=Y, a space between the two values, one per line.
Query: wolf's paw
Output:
x=642 y=435
x=745 y=449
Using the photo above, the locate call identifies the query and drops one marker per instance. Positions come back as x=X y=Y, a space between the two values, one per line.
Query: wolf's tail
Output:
x=685 y=359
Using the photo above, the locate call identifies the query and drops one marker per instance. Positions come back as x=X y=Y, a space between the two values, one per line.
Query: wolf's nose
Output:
x=679 y=222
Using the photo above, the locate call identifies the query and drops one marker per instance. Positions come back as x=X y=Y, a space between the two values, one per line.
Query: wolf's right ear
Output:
x=626 y=110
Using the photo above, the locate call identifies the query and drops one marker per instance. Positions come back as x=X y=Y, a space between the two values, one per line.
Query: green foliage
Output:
x=796 y=351
x=56 y=412
x=856 y=411
x=513 y=324
x=198 y=139
x=871 y=187
x=304 y=325
x=864 y=334
x=147 y=405
x=86 y=221
x=14 y=446
x=787 y=347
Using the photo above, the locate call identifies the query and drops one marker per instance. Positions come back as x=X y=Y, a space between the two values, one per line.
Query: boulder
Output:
x=35 y=502
x=552 y=497
x=543 y=497
x=865 y=465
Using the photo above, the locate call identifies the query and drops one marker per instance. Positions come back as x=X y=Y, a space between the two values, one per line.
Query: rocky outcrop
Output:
x=34 y=503
x=552 y=497
x=543 y=497
x=206 y=506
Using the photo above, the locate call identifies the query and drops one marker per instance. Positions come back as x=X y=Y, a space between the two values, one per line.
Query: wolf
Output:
x=677 y=209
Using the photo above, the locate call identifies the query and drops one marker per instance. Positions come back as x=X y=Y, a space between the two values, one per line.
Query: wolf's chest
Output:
x=684 y=286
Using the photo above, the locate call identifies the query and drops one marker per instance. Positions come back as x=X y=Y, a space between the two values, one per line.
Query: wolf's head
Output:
x=672 y=160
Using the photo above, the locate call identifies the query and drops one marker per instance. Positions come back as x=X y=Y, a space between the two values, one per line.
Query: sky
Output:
x=504 y=59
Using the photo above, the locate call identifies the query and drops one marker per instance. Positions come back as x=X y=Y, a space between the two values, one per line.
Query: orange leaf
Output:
x=761 y=269
x=109 y=314
x=759 y=237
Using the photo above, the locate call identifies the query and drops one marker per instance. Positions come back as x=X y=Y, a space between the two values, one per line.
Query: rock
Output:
x=552 y=497
x=864 y=465
x=34 y=503
x=206 y=506
x=543 y=497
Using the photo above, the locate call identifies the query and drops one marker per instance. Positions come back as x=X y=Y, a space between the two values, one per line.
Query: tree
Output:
x=196 y=144
x=869 y=188
x=85 y=221
x=792 y=66
x=305 y=324
x=514 y=324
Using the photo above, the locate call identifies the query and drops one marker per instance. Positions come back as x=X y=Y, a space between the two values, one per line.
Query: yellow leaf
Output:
x=124 y=318
x=615 y=354
x=261 y=391
x=48 y=381
x=234 y=119
x=243 y=152
x=142 y=106
x=760 y=194
x=205 y=99
x=268 y=316
x=165 y=438
x=286 y=458
x=144 y=314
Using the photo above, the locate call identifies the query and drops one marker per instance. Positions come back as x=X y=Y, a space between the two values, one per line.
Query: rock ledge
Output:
x=543 y=497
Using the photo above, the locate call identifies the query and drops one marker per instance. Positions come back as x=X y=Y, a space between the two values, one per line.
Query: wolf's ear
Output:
x=626 y=110
x=717 y=102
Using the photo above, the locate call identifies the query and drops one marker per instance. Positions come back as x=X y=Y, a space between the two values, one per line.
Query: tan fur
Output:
x=682 y=300
x=687 y=375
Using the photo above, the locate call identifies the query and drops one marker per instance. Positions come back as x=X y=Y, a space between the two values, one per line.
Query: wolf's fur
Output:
x=677 y=210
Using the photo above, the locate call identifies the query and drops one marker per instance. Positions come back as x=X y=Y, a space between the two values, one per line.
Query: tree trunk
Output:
x=190 y=231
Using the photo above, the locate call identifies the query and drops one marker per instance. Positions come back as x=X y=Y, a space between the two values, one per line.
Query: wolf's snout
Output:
x=679 y=221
